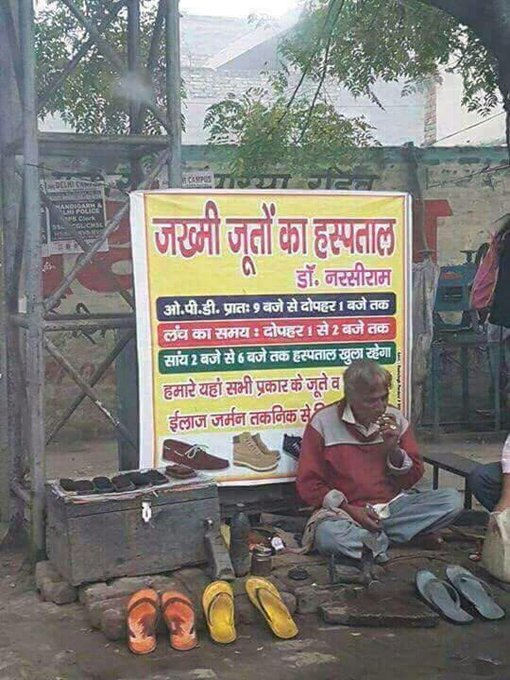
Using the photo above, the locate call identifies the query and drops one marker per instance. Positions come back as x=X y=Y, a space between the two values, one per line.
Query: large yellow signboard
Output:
x=250 y=305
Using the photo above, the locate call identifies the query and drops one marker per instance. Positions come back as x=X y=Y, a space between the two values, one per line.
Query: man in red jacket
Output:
x=358 y=462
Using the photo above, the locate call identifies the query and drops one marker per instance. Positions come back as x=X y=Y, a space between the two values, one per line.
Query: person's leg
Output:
x=342 y=537
x=486 y=483
x=425 y=511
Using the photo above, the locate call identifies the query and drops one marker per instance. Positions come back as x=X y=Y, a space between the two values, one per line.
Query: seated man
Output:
x=490 y=483
x=358 y=457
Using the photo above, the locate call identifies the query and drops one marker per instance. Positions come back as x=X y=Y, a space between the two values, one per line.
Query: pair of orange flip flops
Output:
x=143 y=611
x=218 y=604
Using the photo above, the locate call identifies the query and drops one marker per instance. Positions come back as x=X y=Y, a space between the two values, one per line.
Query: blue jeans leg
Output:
x=422 y=512
x=342 y=537
x=486 y=482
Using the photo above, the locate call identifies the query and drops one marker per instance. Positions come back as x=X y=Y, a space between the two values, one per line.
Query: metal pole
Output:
x=173 y=92
x=100 y=371
x=58 y=218
x=52 y=300
x=33 y=268
x=87 y=389
x=133 y=53
x=153 y=53
x=49 y=91
x=109 y=53
x=12 y=40
x=10 y=407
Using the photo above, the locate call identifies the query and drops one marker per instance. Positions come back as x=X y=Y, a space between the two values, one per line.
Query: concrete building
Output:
x=449 y=123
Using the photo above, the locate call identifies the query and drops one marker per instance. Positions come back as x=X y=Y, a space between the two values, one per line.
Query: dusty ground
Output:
x=42 y=641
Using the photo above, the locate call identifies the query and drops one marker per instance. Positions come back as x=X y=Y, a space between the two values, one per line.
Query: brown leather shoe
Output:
x=192 y=456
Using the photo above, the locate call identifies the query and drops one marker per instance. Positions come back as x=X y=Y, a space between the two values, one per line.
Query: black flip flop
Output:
x=441 y=596
x=475 y=591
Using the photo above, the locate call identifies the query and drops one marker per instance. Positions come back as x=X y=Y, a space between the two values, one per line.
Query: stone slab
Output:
x=310 y=598
x=380 y=606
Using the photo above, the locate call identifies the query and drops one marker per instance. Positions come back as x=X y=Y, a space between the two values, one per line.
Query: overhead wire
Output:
x=468 y=127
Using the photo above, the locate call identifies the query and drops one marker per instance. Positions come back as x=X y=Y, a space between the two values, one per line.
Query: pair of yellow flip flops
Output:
x=218 y=604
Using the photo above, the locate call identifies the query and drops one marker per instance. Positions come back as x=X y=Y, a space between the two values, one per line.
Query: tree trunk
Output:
x=489 y=20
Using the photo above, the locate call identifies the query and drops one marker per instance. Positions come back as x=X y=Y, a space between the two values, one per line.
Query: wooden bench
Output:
x=457 y=465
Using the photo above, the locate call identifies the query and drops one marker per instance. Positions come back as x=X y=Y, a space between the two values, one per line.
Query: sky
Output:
x=237 y=8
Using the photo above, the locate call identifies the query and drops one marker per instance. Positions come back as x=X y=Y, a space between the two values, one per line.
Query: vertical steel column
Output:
x=10 y=114
x=133 y=53
x=173 y=91
x=33 y=280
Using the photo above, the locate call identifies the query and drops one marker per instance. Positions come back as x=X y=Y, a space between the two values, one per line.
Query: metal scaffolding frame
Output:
x=26 y=333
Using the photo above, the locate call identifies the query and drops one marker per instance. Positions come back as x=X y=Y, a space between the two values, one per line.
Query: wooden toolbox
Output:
x=98 y=537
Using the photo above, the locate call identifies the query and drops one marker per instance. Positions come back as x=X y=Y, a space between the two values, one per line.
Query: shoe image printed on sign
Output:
x=191 y=455
x=250 y=451
x=292 y=445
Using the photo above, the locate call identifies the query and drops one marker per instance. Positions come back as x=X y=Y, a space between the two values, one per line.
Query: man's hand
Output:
x=389 y=432
x=503 y=504
x=365 y=517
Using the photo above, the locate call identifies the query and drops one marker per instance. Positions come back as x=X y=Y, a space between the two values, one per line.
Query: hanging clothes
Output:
x=500 y=308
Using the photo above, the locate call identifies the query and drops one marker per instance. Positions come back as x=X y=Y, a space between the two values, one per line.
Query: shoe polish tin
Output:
x=261 y=562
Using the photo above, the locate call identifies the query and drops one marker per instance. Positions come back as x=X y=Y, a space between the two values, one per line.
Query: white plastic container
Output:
x=496 y=548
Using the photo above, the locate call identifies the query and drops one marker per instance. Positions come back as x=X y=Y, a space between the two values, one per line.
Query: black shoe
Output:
x=103 y=485
x=83 y=487
x=67 y=485
x=155 y=477
x=123 y=483
x=292 y=445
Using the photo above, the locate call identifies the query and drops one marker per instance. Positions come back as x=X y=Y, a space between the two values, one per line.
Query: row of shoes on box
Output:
x=249 y=451
x=128 y=481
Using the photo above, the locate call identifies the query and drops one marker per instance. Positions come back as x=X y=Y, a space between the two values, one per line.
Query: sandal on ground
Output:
x=218 y=604
x=179 y=616
x=475 y=591
x=142 y=618
x=441 y=596
x=266 y=598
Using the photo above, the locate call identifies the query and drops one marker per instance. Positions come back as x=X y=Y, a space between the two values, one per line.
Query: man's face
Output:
x=369 y=405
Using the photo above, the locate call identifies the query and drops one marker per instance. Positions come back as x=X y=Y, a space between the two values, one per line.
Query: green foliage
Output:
x=93 y=98
x=355 y=43
x=390 y=40
x=265 y=132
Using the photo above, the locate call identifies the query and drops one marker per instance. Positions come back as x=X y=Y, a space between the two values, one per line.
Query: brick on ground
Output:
x=52 y=586
x=121 y=587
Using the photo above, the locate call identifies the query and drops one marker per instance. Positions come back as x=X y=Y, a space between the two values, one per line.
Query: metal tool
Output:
x=365 y=575
x=220 y=565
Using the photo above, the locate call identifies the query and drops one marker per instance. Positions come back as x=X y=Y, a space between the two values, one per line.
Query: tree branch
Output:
x=466 y=11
